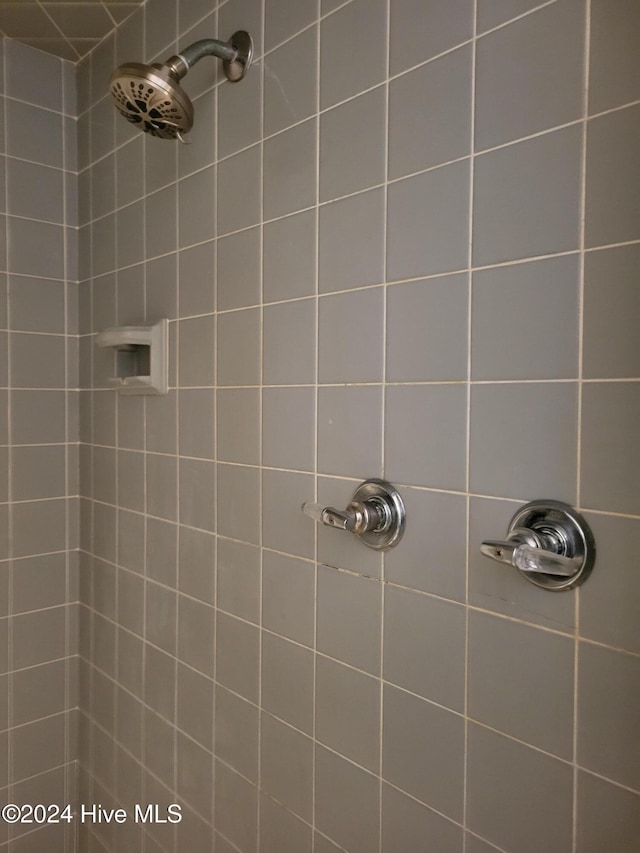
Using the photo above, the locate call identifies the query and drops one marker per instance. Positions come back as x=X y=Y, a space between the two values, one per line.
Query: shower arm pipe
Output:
x=182 y=62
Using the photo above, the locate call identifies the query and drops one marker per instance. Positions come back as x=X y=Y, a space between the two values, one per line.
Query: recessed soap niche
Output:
x=140 y=357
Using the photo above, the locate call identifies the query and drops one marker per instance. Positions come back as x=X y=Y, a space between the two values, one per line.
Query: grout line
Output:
x=465 y=782
x=40 y=665
x=480 y=382
x=383 y=404
x=19 y=275
x=114 y=23
x=516 y=18
x=373 y=384
x=214 y=706
x=328 y=476
x=259 y=815
x=62 y=36
x=579 y=449
x=176 y=404
x=143 y=650
x=424 y=277
x=44 y=609
x=316 y=378
x=38 y=106
x=116 y=485
x=89 y=583
x=64 y=168
x=216 y=550
x=17 y=558
x=10 y=515
x=49 y=770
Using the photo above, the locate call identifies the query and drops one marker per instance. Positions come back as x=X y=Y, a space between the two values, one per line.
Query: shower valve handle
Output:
x=356 y=518
x=530 y=558
x=549 y=542
x=375 y=514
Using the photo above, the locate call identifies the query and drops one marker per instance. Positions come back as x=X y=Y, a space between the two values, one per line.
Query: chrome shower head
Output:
x=150 y=96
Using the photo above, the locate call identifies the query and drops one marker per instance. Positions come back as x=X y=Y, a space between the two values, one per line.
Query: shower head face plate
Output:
x=150 y=97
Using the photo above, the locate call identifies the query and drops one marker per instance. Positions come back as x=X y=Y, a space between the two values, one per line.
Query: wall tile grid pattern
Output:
x=405 y=246
x=67 y=30
x=38 y=440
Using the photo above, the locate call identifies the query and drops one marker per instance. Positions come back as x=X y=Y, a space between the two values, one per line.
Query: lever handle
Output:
x=375 y=514
x=549 y=542
x=529 y=558
x=329 y=516
x=358 y=517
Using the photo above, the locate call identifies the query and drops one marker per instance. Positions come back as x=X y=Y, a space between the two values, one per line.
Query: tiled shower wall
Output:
x=406 y=245
x=38 y=439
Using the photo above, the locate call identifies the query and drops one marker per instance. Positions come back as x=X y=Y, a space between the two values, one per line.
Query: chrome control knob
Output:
x=531 y=558
x=549 y=543
x=375 y=514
